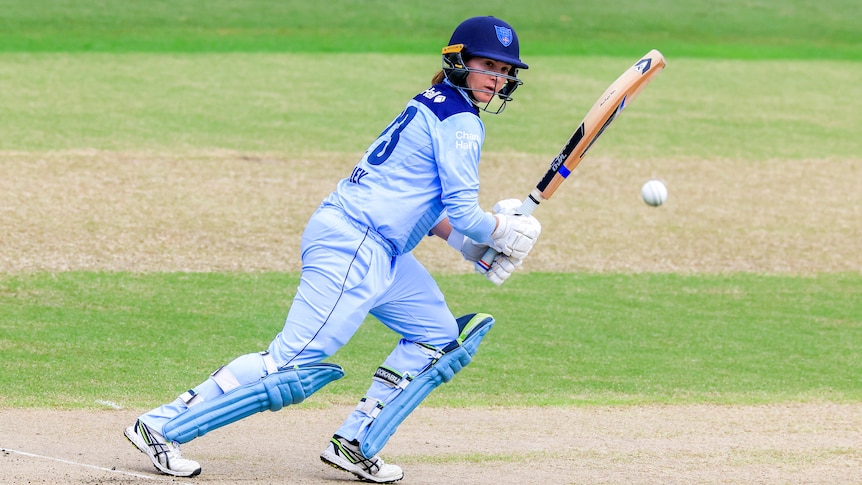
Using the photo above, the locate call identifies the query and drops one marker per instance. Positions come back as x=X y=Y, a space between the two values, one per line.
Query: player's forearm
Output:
x=443 y=229
x=475 y=224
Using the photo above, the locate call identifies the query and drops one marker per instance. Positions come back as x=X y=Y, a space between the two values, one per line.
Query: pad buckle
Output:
x=370 y=406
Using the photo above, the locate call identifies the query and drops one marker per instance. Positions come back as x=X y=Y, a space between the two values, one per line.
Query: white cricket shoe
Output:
x=165 y=455
x=345 y=455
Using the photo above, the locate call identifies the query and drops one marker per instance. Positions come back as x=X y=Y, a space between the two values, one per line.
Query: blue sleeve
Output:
x=458 y=146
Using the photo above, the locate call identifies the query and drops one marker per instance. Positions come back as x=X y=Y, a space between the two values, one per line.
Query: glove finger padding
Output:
x=502 y=267
x=507 y=206
x=515 y=235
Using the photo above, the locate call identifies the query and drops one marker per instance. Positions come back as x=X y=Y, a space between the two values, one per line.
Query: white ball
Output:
x=654 y=193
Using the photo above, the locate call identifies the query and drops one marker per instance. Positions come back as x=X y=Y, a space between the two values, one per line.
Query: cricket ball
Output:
x=654 y=193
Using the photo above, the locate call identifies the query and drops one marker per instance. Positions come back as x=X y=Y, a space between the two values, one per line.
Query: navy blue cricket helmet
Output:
x=487 y=37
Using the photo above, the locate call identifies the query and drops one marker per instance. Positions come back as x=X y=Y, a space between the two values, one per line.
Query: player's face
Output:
x=484 y=85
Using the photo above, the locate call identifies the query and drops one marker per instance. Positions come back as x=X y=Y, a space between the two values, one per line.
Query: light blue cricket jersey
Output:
x=424 y=164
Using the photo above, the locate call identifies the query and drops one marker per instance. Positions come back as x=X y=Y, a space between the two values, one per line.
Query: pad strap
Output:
x=392 y=378
x=226 y=380
x=370 y=406
x=188 y=396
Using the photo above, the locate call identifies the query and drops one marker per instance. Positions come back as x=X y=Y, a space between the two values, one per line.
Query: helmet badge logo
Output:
x=504 y=35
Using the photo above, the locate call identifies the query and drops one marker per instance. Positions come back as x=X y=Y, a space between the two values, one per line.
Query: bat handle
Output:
x=527 y=207
x=484 y=264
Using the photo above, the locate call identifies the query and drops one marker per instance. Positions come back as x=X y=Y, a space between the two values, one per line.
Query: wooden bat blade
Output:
x=606 y=109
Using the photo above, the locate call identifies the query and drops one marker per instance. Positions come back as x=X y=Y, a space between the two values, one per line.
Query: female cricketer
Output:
x=419 y=178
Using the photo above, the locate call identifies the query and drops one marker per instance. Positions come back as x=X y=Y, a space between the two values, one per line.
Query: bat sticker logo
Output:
x=643 y=65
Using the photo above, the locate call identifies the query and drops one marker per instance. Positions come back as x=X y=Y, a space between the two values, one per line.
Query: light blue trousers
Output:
x=348 y=272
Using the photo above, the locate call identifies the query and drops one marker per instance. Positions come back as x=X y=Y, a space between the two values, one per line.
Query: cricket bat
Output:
x=605 y=110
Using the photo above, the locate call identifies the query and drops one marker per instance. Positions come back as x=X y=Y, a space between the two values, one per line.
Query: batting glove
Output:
x=469 y=249
x=507 y=206
x=515 y=235
x=502 y=267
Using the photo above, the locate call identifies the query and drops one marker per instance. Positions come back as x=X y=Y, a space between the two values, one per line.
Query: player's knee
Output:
x=248 y=368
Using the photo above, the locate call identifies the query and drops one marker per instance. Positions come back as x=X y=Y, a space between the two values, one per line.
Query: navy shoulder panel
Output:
x=444 y=101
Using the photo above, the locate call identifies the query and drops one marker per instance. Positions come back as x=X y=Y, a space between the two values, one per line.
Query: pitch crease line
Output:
x=69 y=462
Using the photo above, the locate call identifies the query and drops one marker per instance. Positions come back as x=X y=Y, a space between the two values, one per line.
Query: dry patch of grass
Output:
x=231 y=211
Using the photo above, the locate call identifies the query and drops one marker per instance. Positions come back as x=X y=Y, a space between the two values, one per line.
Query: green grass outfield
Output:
x=76 y=339
x=762 y=29
x=756 y=80
x=703 y=108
